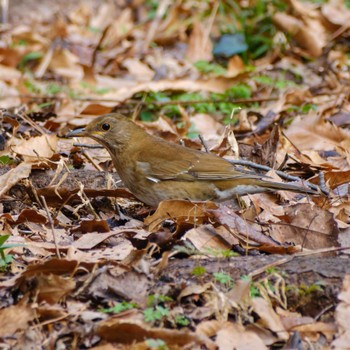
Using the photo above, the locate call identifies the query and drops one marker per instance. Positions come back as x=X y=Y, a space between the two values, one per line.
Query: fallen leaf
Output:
x=52 y=288
x=15 y=317
x=307 y=225
x=268 y=317
x=233 y=336
x=41 y=146
x=13 y=176
x=127 y=332
x=180 y=211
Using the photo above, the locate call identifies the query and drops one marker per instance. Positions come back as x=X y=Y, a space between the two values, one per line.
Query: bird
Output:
x=155 y=170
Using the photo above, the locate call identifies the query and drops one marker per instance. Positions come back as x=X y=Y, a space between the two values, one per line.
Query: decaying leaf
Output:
x=12 y=177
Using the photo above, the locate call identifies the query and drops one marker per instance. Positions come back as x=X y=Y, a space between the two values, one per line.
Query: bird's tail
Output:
x=275 y=186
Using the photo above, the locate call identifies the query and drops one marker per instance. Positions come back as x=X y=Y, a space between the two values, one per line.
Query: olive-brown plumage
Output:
x=155 y=170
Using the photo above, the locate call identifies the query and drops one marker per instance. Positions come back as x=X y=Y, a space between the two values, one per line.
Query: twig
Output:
x=4 y=11
x=89 y=158
x=325 y=310
x=162 y=7
x=280 y=173
x=85 y=145
x=210 y=24
x=203 y=143
x=322 y=182
x=52 y=226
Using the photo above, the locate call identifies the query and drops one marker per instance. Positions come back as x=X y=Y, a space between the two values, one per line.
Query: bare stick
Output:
x=282 y=174
x=322 y=182
x=52 y=226
x=89 y=158
x=203 y=143
x=85 y=145
x=162 y=7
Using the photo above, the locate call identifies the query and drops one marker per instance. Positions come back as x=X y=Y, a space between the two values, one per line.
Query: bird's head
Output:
x=111 y=130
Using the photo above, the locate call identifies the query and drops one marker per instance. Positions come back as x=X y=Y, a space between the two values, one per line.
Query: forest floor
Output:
x=85 y=265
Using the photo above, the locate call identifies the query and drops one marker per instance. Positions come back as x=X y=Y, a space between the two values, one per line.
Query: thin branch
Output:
x=52 y=226
x=280 y=173
x=203 y=143
x=154 y=27
x=87 y=145
x=322 y=182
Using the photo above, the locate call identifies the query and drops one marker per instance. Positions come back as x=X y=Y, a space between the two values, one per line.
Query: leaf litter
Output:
x=283 y=104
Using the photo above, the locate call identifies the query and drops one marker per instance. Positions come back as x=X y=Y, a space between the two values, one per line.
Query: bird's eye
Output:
x=105 y=126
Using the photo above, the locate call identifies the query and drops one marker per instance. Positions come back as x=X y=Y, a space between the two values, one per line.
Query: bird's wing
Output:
x=189 y=165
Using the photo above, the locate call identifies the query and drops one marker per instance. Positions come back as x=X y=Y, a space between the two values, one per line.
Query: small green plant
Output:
x=209 y=68
x=221 y=253
x=157 y=344
x=156 y=313
x=32 y=87
x=6 y=160
x=5 y=259
x=53 y=89
x=31 y=56
x=120 y=307
x=239 y=91
x=307 y=290
x=303 y=109
x=212 y=102
x=253 y=290
x=187 y=249
x=155 y=299
x=223 y=278
x=182 y=320
x=198 y=271
x=271 y=270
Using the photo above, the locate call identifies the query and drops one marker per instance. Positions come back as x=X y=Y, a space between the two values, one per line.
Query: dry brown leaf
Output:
x=41 y=146
x=91 y=240
x=342 y=316
x=310 y=36
x=233 y=336
x=32 y=215
x=336 y=12
x=268 y=317
x=119 y=252
x=208 y=328
x=100 y=226
x=180 y=211
x=205 y=237
x=9 y=74
x=52 y=288
x=127 y=332
x=199 y=44
x=138 y=70
x=307 y=225
x=313 y=331
x=15 y=317
x=128 y=285
x=207 y=126
x=235 y=66
x=241 y=228
x=192 y=289
x=13 y=176
x=324 y=135
x=66 y=64
x=240 y=293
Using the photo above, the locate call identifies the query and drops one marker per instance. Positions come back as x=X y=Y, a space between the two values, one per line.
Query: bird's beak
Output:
x=77 y=132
